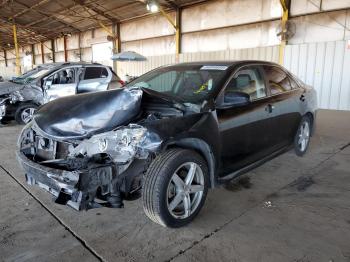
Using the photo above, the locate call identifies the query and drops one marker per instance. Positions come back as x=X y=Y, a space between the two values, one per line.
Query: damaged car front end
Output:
x=90 y=169
x=20 y=97
x=152 y=139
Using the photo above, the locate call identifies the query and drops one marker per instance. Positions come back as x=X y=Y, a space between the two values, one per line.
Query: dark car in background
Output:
x=20 y=97
x=169 y=136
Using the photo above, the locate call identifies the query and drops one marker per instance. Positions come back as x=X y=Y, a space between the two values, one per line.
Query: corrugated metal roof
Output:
x=40 y=20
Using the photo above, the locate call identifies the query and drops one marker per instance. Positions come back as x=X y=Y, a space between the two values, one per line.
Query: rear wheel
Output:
x=175 y=187
x=24 y=113
x=302 y=137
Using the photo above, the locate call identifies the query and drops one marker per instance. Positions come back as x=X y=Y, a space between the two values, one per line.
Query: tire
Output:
x=161 y=188
x=21 y=110
x=303 y=133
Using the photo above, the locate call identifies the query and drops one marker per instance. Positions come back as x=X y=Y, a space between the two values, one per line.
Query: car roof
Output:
x=229 y=63
x=64 y=64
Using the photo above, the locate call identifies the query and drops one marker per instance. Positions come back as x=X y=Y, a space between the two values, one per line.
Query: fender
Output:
x=203 y=149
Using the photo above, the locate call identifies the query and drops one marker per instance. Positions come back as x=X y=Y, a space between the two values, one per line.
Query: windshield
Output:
x=192 y=84
x=31 y=75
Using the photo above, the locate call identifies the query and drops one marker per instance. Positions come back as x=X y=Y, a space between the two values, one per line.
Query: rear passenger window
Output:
x=278 y=80
x=95 y=72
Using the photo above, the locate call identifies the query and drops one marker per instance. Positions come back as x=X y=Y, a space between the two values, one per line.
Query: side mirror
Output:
x=233 y=99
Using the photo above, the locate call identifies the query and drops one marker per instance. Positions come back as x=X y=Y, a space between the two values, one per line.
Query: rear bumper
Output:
x=74 y=188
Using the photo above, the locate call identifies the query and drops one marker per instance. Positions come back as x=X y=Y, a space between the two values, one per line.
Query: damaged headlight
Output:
x=16 y=96
x=122 y=144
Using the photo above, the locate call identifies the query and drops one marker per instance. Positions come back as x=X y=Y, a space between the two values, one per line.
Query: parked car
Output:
x=20 y=98
x=169 y=136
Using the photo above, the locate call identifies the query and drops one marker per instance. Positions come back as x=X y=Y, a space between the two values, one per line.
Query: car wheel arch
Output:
x=201 y=147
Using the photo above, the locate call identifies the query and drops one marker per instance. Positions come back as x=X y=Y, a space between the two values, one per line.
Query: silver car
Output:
x=20 y=97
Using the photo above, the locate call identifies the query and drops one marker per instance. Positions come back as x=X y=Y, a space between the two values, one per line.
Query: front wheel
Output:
x=302 y=137
x=175 y=187
x=24 y=113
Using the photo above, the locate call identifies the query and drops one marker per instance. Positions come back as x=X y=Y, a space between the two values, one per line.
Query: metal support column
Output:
x=53 y=50
x=79 y=46
x=33 y=54
x=178 y=36
x=5 y=57
x=285 y=7
x=18 y=61
x=42 y=53
x=65 y=49
x=116 y=42
x=177 y=26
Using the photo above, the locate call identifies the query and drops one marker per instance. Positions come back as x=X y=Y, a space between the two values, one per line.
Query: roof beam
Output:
x=172 y=4
x=4 y=2
x=28 y=8
x=33 y=8
x=97 y=11
x=48 y=17
x=30 y=32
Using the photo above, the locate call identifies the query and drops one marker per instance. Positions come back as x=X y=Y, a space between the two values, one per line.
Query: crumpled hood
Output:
x=9 y=87
x=81 y=116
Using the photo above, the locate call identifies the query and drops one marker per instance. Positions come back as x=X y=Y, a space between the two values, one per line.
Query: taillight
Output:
x=121 y=82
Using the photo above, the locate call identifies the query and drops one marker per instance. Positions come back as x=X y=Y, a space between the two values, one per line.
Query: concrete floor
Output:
x=292 y=209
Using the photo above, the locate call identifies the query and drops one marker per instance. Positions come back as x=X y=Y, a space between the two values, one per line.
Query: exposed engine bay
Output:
x=95 y=160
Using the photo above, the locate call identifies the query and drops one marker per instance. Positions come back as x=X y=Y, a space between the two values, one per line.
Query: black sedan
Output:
x=168 y=136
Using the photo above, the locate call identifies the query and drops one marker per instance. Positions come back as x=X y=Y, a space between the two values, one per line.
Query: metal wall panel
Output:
x=268 y=53
x=325 y=66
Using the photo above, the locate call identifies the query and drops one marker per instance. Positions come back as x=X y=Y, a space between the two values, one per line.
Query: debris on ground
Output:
x=267 y=204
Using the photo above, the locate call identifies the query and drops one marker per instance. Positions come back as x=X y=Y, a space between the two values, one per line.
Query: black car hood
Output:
x=81 y=116
x=9 y=87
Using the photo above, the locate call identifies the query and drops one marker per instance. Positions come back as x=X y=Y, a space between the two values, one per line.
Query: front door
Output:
x=61 y=83
x=245 y=130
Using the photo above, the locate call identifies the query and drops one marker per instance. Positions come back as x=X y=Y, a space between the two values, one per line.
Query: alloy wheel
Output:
x=27 y=114
x=185 y=190
x=304 y=136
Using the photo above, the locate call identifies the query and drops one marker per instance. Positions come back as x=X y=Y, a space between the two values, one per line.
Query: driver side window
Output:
x=249 y=81
x=61 y=77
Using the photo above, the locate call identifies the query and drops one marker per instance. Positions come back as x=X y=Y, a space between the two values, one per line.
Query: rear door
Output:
x=286 y=102
x=94 y=78
x=244 y=130
x=61 y=83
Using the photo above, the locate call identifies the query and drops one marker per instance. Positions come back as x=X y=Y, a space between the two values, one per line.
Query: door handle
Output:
x=269 y=108
x=302 y=98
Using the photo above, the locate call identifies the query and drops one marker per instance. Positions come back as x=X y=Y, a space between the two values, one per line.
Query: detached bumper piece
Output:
x=77 y=189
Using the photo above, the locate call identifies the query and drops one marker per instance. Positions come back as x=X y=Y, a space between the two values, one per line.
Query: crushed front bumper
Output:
x=74 y=188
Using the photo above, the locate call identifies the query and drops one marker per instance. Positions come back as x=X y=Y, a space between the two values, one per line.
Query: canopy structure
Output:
x=128 y=56
x=41 y=20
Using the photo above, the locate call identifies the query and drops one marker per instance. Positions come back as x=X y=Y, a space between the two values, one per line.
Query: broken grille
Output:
x=49 y=149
